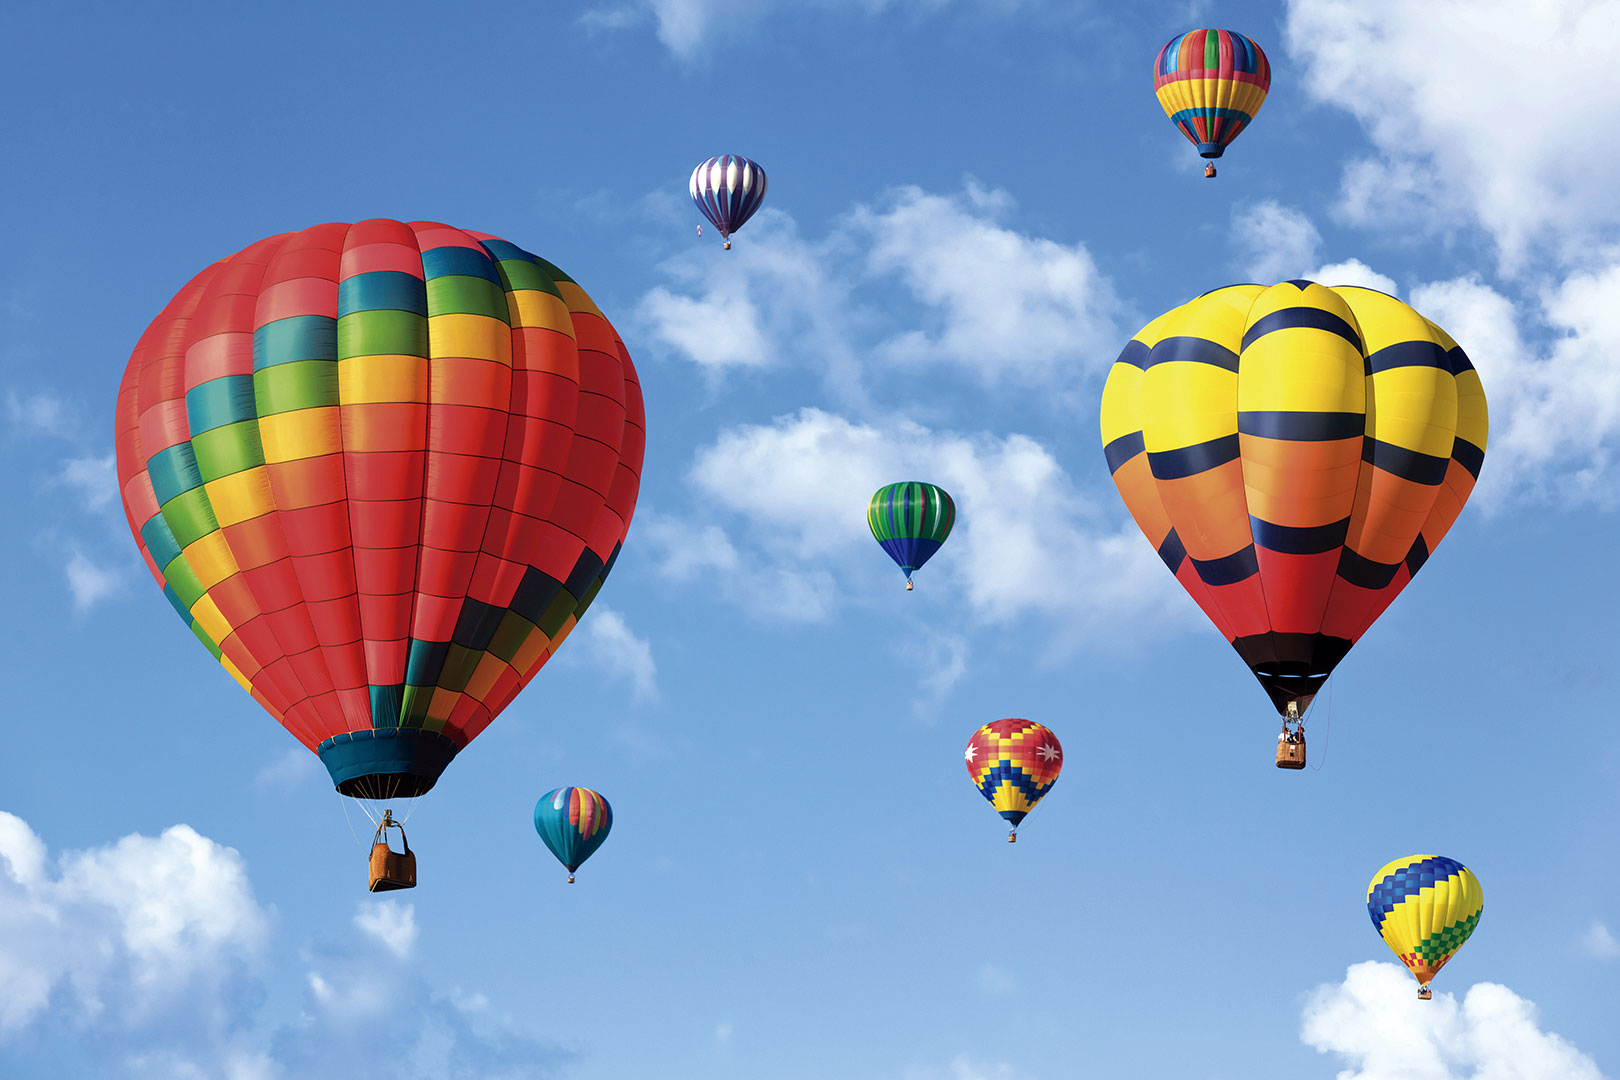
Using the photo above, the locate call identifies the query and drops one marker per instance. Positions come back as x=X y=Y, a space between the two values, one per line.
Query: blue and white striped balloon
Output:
x=728 y=189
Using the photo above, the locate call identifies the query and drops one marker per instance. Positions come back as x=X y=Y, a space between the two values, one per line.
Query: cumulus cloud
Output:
x=1001 y=304
x=1374 y=1023
x=89 y=581
x=691 y=28
x=1280 y=243
x=390 y=923
x=1555 y=407
x=94 y=478
x=993 y=304
x=1027 y=540
x=1495 y=129
x=605 y=640
x=137 y=927
x=39 y=414
x=1599 y=942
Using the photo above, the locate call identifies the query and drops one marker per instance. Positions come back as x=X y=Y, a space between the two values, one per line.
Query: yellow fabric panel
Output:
x=210 y=559
x=480 y=337
x=1415 y=408
x=1473 y=418
x=575 y=298
x=483 y=677
x=1302 y=369
x=236 y=673
x=1121 y=412
x=1187 y=404
x=384 y=377
x=211 y=619
x=532 y=652
x=241 y=496
x=305 y=433
x=531 y=307
x=440 y=705
x=1382 y=319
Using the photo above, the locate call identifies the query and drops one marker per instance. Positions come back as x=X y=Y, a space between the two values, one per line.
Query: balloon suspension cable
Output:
x=1328 y=734
x=344 y=799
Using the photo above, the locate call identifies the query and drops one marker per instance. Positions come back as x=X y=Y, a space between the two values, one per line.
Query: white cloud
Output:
x=1599 y=942
x=1276 y=242
x=1555 y=410
x=294 y=766
x=88 y=581
x=389 y=922
x=94 y=478
x=992 y=303
x=127 y=930
x=605 y=640
x=39 y=414
x=690 y=28
x=1375 y=1024
x=1496 y=128
x=941 y=658
x=1354 y=272
x=1001 y=304
x=694 y=554
x=1026 y=540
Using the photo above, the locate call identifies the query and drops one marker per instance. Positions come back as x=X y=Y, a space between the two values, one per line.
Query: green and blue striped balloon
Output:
x=911 y=520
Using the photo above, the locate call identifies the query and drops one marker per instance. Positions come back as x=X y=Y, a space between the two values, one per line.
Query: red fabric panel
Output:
x=1297 y=588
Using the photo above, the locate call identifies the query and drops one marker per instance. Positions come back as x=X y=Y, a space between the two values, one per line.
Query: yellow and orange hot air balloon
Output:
x=1294 y=453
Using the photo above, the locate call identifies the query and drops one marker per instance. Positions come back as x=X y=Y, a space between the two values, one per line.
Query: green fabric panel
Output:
x=413 y=706
x=556 y=274
x=190 y=516
x=223 y=451
x=202 y=636
x=382 y=333
x=301 y=384
x=457 y=294
x=459 y=664
x=185 y=583
x=1447 y=940
x=562 y=605
x=510 y=636
x=521 y=274
x=590 y=595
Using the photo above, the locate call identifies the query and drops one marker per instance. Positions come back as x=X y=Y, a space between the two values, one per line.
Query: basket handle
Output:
x=381 y=835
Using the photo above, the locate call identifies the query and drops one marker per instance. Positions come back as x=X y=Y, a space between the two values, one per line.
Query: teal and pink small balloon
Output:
x=573 y=822
x=910 y=520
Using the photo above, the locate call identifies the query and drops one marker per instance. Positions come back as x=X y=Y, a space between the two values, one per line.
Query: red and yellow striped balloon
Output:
x=380 y=470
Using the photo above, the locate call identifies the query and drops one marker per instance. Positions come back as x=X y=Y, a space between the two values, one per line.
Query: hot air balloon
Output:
x=573 y=822
x=727 y=189
x=1295 y=454
x=1424 y=907
x=1014 y=763
x=1211 y=83
x=380 y=471
x=910 y=520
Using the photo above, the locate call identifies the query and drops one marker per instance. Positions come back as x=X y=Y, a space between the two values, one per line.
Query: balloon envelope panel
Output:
x=1295 y=454
x=380 y=470
x=1424 y=907
x=1014 y=763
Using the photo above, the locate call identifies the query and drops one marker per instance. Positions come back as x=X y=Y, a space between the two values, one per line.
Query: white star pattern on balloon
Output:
x=972 y=751
x=1048 y=752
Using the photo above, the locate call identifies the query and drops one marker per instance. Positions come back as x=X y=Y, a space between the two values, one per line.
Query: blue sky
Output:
x=973 y=205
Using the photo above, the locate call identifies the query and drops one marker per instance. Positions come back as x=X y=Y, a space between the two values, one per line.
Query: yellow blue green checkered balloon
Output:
x=1424 y=907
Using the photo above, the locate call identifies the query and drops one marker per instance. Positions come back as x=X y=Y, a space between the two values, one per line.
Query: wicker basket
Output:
x=1291 y=753
x=391 y=869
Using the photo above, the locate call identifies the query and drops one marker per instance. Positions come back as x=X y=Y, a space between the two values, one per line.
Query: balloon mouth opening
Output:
x=1210 y=150
x=386 y=763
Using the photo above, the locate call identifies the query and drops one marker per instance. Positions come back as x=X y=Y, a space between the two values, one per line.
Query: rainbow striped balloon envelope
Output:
x=573 y=822
x=1295 y=454
x=1424 y=907
x=380 y=471
x=1211 y=83
x=1014 y=763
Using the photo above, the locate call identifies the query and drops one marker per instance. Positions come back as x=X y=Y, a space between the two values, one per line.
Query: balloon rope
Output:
x=357 y=841
x=1327 y=738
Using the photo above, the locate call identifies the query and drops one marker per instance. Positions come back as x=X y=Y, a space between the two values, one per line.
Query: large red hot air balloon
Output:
x=380 y=470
